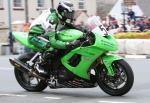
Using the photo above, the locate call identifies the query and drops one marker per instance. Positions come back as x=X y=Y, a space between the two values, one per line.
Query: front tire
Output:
x=119 y=84
x=27 y=81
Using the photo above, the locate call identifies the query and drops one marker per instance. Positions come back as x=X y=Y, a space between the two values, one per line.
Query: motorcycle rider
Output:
x=46 y=23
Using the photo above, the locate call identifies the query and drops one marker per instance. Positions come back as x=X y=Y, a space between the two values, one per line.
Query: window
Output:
x=17 y=3
x=81 y=4
x=1 y=3
x=40 y=3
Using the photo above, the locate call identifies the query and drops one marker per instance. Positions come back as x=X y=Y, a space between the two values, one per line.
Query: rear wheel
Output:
x=119 y=84
x=26 y=80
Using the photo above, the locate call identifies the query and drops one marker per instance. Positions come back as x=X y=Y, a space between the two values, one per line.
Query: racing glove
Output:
x=73 y=44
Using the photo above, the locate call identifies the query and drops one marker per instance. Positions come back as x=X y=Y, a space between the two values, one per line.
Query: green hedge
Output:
x=133 y=35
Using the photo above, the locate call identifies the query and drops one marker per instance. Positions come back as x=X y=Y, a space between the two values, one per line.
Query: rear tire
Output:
x=25 y=79
x=123 y=77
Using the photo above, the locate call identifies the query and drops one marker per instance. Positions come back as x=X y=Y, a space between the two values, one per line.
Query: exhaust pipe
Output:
x=23 y=68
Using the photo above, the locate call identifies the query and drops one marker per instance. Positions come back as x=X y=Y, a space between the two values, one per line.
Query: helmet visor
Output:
x=69 y=15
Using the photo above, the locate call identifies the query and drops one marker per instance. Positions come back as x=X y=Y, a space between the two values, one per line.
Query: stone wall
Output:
x=4 y=33
x=134 y=46
x=4 y=47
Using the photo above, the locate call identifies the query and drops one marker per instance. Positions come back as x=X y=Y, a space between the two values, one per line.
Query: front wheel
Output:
x=119 y=84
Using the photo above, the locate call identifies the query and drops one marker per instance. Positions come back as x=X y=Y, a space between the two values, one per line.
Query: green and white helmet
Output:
x=65 y=10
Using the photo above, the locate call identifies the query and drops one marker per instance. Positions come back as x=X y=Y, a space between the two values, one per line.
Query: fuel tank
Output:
x=69 y=35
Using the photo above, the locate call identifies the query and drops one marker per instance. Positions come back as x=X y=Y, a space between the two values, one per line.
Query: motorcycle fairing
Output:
x=90 y=54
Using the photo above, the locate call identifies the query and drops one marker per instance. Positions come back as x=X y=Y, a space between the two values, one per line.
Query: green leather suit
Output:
x=48 y=20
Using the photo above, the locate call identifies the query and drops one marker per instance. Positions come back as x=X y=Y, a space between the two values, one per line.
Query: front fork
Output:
x=107 y=60
x=30 y=62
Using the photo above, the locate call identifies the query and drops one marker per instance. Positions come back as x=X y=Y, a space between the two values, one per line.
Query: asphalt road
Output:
x=11 y=92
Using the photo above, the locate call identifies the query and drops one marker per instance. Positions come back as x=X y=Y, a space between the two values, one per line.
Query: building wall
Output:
x=90 y=6
x=4 y=14
x=4 y=33
x=145 y=6
x=3 y=29
x=104 y=7
x=34 y=11
x=18 y=13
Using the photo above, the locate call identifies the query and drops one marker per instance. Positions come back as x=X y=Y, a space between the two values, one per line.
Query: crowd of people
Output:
x=132 y=23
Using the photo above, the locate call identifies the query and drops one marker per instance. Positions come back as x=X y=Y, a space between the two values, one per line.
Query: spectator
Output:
x=26 y=27
x=131 y=15
x=141 y=25
x=113 y=24
x=148 y=23
x=131 y=26
x=109 y=18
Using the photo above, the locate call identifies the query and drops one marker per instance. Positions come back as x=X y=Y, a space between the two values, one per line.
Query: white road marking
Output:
x=6 y=68
x=13 y=95
x=52 y=98
x=114 y=102
x=135 y=56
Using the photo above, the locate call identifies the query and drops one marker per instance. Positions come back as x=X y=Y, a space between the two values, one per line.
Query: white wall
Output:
x=90 y=6
x=134 y=46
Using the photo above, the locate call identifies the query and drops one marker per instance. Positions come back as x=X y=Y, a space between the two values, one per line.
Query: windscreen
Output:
x=96 y=26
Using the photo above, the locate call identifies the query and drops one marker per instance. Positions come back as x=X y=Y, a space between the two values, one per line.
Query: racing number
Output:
x=103 y=29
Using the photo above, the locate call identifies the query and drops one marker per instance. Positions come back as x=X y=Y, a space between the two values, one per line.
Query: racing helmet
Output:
x=65 y=10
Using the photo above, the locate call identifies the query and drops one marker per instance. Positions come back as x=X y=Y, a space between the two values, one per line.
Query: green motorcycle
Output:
x=87 y=66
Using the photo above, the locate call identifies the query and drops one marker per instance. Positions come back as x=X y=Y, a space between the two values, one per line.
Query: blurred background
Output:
x=127 y=19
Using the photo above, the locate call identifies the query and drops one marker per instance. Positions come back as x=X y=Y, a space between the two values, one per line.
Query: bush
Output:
x=133 y=35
